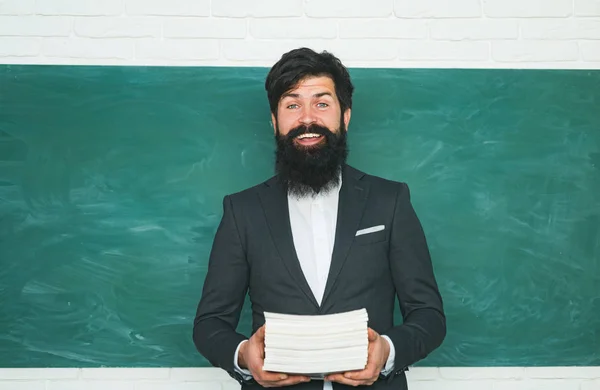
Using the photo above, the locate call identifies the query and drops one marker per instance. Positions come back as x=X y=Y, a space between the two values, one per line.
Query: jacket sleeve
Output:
x=424 y=322
x=223 y=293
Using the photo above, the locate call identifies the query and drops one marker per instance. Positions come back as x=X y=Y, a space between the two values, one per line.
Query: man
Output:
x=319 y=237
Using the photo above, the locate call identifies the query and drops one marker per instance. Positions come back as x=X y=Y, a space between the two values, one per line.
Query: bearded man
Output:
x=319 y=237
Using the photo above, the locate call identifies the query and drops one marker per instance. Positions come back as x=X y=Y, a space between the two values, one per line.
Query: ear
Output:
x=347 y=115
x=274 y=123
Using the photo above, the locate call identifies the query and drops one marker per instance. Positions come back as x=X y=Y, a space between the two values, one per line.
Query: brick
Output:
x=79 y=7
x=69 y=61
x=556 y=384
x=470 y=373
x=178 y=386
x=258 y=50
x=423 y=374
x=451 y=385
x=204 y=28
x=591 y=385
x=17 y=7
x=286 y=28
x=207 y=374
x=527 y=8
x=232 y=385
x=563 y=372
x=587 y=7
x=384 y=28
x=257 y=9
x=23 y=385
x=590 y=51
x=348 y=8
x=91 y=385
x=38 y=373
x=124 y=373
x=87 y=48
x=534 y=51
x=473 y=29
x=108 y=27
x=19 y=47
x=35 y=26
x=444 y=51
x=437 y=8
x=560 y=29
x=271 y=50
x=173 y=49
x=168 y=7
x=361 y=49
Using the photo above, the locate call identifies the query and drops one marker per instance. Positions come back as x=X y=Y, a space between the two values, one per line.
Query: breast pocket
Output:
x=371 y=235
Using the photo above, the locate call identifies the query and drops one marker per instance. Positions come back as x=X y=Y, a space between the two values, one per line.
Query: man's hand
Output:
x=379 y=350
x=251 y=356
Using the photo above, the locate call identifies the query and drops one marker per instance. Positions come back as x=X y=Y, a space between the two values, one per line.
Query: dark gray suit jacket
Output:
x=253 y=251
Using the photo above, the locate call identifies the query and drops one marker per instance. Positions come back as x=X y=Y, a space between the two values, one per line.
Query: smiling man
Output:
x=319 y=237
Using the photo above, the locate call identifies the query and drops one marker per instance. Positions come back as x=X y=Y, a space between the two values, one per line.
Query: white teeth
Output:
x=309 y=135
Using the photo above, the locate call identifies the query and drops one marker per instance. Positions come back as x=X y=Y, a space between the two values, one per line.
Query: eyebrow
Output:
x=316 y=95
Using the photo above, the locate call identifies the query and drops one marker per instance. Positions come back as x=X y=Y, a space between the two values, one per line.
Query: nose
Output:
x=307 y=116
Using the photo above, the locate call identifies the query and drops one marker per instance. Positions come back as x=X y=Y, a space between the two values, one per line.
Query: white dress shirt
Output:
x=313 y=221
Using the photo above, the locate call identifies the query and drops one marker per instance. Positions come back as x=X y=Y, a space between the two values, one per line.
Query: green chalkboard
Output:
x=112 y=178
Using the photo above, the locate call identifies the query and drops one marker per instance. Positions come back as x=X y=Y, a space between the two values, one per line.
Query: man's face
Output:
x=310 y=133
x=312 y=102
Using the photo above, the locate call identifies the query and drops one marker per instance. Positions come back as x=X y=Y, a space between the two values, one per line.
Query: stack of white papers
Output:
x=316 y=345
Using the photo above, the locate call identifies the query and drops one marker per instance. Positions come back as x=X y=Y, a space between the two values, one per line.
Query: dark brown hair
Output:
x=297 y=64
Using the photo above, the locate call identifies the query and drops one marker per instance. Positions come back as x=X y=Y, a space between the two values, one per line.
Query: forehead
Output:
x=312 y=85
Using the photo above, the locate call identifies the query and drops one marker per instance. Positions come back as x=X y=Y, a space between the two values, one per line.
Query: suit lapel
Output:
x=351 y=204
x=275 y=204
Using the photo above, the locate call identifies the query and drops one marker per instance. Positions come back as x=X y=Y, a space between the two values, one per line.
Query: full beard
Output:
x=307 y=170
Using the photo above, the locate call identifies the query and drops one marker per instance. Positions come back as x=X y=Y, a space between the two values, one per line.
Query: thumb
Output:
x=372 y=335
x=260 y=333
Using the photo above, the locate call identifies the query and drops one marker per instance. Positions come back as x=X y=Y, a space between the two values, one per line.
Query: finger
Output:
x=290 y=380
x=372 y=335
x=370 y=371
x=340 y=378
x=260 y=333
x=270 y=376
x=361 y=375
x=267 y=376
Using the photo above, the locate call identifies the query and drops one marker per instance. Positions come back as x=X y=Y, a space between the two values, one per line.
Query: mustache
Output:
x=315 y=129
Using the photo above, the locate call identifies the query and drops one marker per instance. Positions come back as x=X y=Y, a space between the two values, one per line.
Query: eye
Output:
x=323 y=105
x=292 y=106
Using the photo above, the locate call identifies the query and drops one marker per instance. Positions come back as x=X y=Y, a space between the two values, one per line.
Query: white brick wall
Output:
x=447 y=378
x=388 y=33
